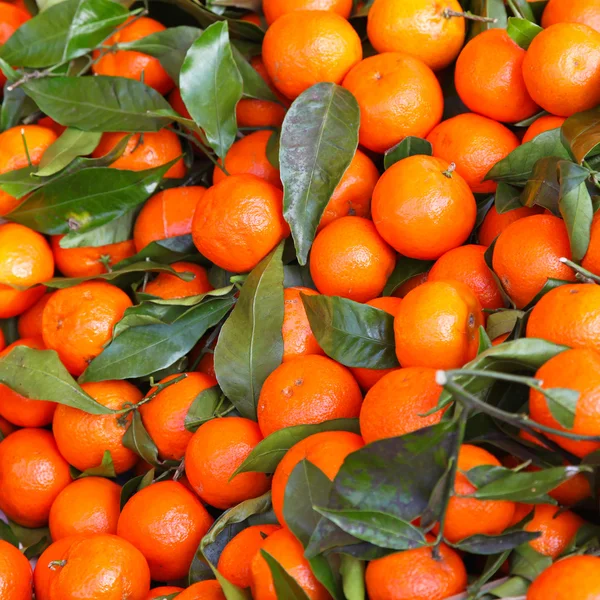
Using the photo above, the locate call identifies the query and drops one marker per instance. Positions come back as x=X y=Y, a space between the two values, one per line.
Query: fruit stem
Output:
x=448 y=13
x=448 y=172
x=56 y=564
x=26 y=147
x=581 y=273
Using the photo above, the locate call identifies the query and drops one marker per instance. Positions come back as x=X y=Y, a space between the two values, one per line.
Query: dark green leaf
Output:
x=101 y=103
x=526 y=562
x=266 y=455
x=575 y=206
x=531 y=120
x=20 y=182
x=319 y=137
x=353 y=334
x=492 y=9
x=209 y=403
x=7 y=535
x=28 y=536
x=409 y=146
x=211 y=86
x=285 y=585
x=581 y=133
x=15 y=105
x=39 y=375
x=543 y=188
x=353 y=577
x=250 y=345
x=63 y=32
x=105 y=469
x=522 y=31
x=562 y=403
x=272 y=150
x=521 y=9
x=134 y=485
x=484 y=341
x=36 y=549
x=548 y=287
x=502 y=322
x=517 y=167
x=87 y=199
x=169 y=46
x=404 y=270
x=169 y=250
x=71 y=144
x=115 y=231
x=507 y=198
x=143 y=350
x=493 y=544
x=253 y=85
x=138 y=440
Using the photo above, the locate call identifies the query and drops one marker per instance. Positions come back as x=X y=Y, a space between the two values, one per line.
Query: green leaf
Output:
x=272 y=151
x=404 y=270
x=115 y=231
x=382 y=529
x=101 y=103
x=353 y=577
x=105 y=469
x=138 y=440
x=71 y=144
x=581 y=133
x=493 y=544
x=521 y=9
x=63 y=32
x=285 y=585
x=15 y=105
x=575 y=206
x=522 y=31
x=528 y=563
x=39 y=375
x=134 y=485
x=319 y=137
x=253 y=85
x=491 y=9
x=484 y=341
x=267 y=454
x=211 y=87
x=409 y=146
x=87 y=199
x=169 y=46
x=140 y=351
x=517 y=167
x=169 y=250
x=523 y=486
x=7 y=534
x=28 y=536
x=207 y=405
x=548 y=287
x=543 y=188
x=250 y=344
x=502 y=322
x=353 y=334
x=507 y=198
x=562 y=403
x=20 y=182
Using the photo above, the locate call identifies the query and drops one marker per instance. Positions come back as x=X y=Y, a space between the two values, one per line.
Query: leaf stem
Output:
x=206 y=348
x=448 y=13
x=581 y=273
x=198 y=144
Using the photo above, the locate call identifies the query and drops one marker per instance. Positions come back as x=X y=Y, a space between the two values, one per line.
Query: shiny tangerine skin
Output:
x=437 y=326
x=467 y=265
x=97 y=566
x=236 y=558
x=30 y=321
x=394 y=405
x=306 y=47
x=367 y=378
x=568 y=315
x=421 y=209
x=289 y=553
x=469 y=516
x=562 y=69
x=156 y=149
x=167 y=214
x=169 y=286
x=215 y=451
x=494 y=223
x=307 y=390
x=239 y=221
x=352 y=196
x=418 y=28
x=86 y=506
x=544 y=123
x=574 y=577
x=591 y=260
x=83 y=438
x=474 y=144
x=165 y=522
x=203 y=590
x=528 y=252
x=164 y=416
x=13 y=155
x=579 y=370
x=416 y=575
x=32 y=474
x=25 y=260
x=78 y=321
x=16 y=577
x=326 y=450
x=132 y=64
x=298 y=338
x=558 y=530
x=11 y=18
x=249 y=155
x=16 y=408
x=273 y=9
x=398 y=95
x=489 y=78
x=586 y=12
x=85 y=262
x=349 y=258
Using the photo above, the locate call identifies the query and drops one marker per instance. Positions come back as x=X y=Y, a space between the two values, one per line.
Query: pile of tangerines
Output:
x=300 y=303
